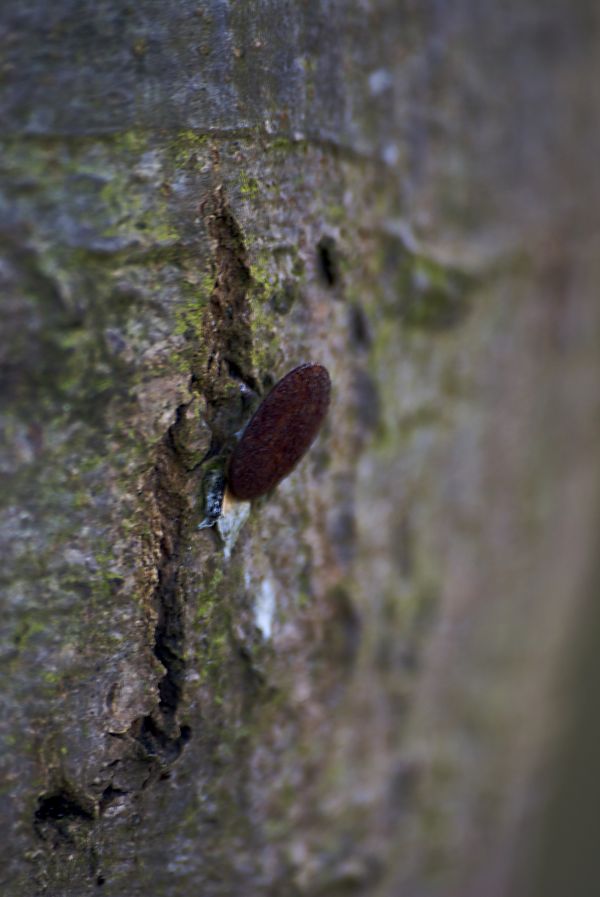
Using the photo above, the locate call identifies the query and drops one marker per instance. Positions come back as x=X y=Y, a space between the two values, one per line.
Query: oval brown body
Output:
x=281 y=431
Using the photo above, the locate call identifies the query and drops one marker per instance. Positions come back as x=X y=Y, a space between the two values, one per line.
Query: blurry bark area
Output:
x=365 y=692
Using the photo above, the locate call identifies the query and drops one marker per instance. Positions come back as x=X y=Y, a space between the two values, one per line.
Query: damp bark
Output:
x=341 y=701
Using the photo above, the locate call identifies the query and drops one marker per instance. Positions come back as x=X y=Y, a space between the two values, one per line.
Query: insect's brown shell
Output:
x=281 y=431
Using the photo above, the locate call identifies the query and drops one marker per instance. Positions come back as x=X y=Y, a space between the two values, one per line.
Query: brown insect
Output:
x=281 y=431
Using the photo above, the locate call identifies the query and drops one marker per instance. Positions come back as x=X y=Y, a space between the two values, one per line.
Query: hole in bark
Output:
x=327 y=258
x=58 y=813
x=359 y=328
x=100 y=881
x=109 y=795
x=185 y=734
x=60 y=805
x=159 y=743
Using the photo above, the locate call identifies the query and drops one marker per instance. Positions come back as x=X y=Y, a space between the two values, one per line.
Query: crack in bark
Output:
x=226 y=324
x=159 y=732
x=155 y=741
x=228 y=358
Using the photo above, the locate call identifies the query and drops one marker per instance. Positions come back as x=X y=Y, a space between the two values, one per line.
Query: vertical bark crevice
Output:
x=228 y=321
x=224 y=376
x=159 y=732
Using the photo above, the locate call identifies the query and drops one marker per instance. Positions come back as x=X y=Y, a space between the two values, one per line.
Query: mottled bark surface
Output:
x=360 y=695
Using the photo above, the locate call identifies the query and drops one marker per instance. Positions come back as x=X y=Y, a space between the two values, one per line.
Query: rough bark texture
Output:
x=360 y=695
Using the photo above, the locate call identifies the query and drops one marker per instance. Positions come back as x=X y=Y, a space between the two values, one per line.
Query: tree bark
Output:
x=364 y=691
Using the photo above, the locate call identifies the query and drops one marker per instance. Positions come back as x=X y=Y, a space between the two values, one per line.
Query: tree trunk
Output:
x=360 y=693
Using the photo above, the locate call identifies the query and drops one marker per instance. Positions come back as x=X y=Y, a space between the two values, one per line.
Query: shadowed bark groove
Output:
x=226 y=360
x=159 y=733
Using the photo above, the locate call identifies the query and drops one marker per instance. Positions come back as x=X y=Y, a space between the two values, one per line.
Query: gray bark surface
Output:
x=364 y=694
